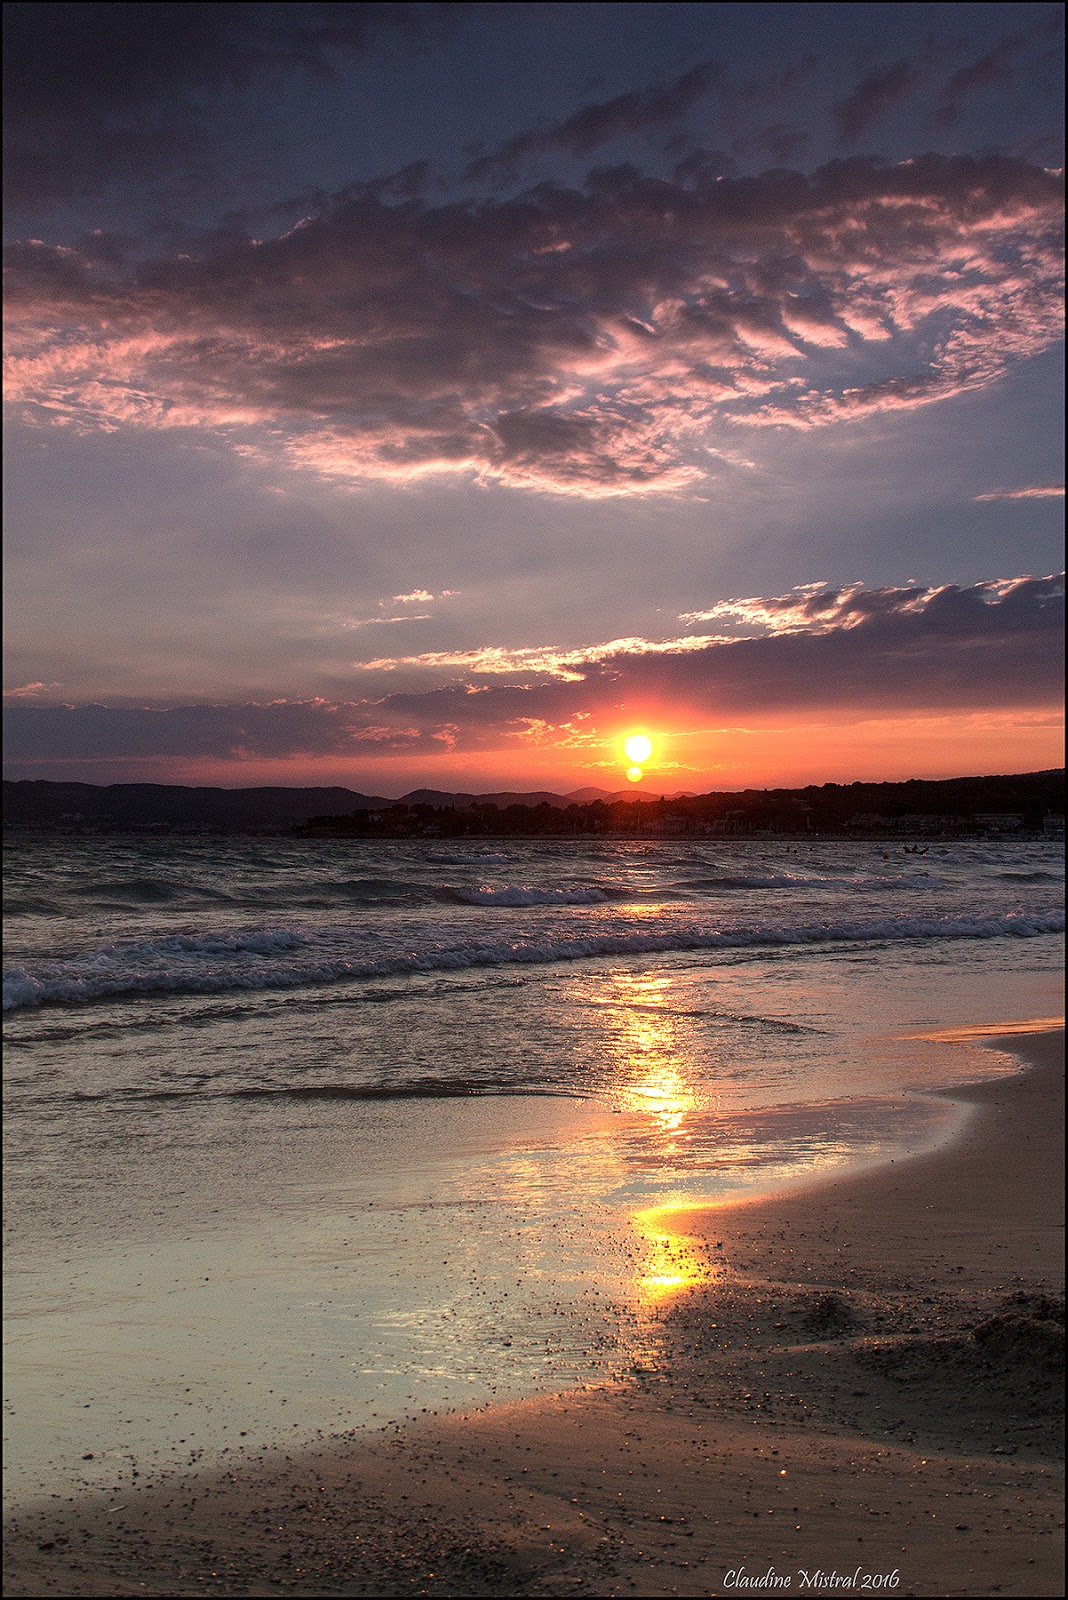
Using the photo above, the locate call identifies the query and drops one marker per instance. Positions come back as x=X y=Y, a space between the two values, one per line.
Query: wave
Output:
x=29 y=905
x=283 y=958
x=481 y=858
x=1031 y=877
x=412 y=1089
x=145 y=891
x=372 y=889
x=427 y=1089
x=514 y=895
x=790 y=880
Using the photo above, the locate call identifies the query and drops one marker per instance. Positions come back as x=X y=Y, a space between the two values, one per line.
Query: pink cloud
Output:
x=1041 y=491
x=594 y=343
x=27 y=691
x=567 y=665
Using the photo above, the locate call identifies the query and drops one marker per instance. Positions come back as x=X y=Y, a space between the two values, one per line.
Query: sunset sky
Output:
x=405 y=395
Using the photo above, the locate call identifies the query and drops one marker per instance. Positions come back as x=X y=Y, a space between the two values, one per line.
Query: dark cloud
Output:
x=993 y=67
x=871 y=97
x=77 y=57
x=99 y=95
x=857 y=652
x=579 y=340
x=596 y=125
x=986 y=70
x=865 y=651
x=280 y=730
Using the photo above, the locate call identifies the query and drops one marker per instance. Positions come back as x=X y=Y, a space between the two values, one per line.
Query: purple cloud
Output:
x=591 y=342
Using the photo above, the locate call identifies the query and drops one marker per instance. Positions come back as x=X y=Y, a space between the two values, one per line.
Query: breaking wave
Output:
x=286 y=958
x=480 y=858
x=789 y=880
x=514 y=895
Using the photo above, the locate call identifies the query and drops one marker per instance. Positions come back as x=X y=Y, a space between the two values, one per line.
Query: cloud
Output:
x=592 y=342
x=599 y=124
x=370 y=622
x=817 y=608
x=568 y=665
x=1039 y=491
x=871 y=97
x=131 y=52
x=858 y=652
x=990 y=68
x=417 y=597
x=97 y=96
x=281 y=729
x=26 y=691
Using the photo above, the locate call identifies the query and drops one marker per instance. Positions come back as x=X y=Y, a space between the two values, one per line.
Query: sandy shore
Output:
x=864 y=1386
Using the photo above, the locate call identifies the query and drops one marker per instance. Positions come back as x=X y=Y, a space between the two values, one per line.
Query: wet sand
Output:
x=865 y=1386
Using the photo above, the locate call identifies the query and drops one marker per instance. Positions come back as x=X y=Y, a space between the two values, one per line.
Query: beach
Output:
x=852 y=1387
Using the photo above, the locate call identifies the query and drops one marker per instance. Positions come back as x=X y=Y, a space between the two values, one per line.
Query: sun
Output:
x=635 y=774
x=638 y=748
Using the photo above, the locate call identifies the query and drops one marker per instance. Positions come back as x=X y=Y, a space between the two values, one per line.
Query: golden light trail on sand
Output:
x=989 y=1030
x=673 y=1260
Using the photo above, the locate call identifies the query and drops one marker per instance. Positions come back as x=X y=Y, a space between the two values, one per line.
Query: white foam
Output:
x=213 y=963
x=514 y=895
x=481 y=859
x=790 y=880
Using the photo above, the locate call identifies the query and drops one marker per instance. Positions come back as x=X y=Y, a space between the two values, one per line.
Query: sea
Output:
x=308 y=1137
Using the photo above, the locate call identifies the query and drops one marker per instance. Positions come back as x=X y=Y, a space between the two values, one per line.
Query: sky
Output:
x=436 y=395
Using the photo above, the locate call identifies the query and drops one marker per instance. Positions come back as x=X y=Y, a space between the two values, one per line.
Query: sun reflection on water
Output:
x=655 y=1080
x=658 y=1082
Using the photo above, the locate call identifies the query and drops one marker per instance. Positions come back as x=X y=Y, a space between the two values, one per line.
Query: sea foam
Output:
x=515 y=895
x=280 y=958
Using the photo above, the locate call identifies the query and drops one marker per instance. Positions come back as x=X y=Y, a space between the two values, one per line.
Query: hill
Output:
x=1006 y=803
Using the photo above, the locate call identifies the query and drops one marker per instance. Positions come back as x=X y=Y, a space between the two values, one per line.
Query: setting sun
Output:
x=635 y=774
x=638 y=748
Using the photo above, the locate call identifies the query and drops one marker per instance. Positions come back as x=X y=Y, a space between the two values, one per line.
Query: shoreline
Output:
x=301 y=833
x=864 y=1375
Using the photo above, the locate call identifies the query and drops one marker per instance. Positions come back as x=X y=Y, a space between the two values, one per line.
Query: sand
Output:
x=862 y=1396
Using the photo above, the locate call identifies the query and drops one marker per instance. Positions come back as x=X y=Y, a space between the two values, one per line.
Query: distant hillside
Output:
x=123 y=806
x=44 y=804
x=923 y=805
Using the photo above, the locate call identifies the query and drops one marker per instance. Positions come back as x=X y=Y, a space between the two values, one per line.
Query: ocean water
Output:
x=308 y=1135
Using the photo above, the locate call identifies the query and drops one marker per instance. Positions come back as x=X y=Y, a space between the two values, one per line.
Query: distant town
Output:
x=1028 y=805
x=976 y=807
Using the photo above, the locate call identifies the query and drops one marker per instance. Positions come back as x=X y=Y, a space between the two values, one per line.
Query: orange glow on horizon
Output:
x=763 y=754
